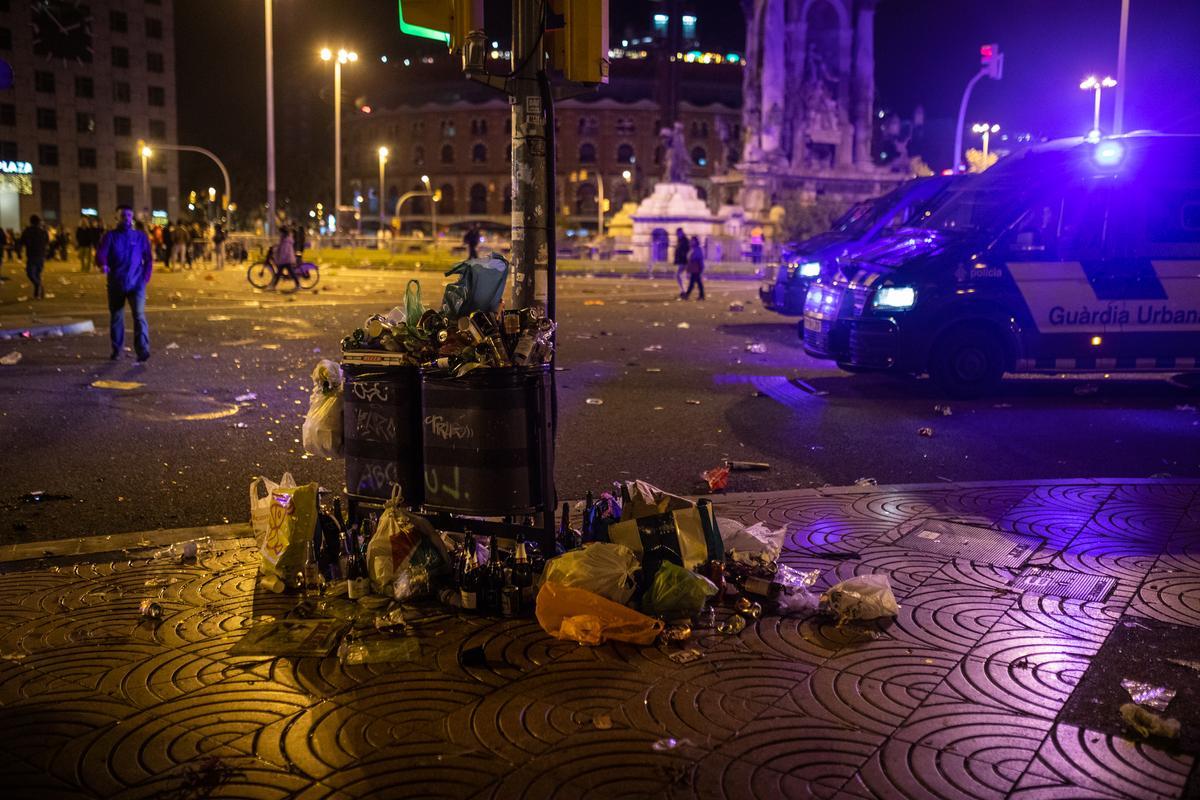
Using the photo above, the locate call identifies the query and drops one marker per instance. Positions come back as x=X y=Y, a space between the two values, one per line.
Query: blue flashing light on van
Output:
x=1070 y=256
x=801 y=263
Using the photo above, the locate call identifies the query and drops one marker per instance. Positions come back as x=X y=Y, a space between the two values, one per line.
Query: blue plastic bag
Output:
x=480 y=286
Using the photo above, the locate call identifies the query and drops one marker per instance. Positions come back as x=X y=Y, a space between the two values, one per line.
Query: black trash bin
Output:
x=487 y=442
x=382 y=431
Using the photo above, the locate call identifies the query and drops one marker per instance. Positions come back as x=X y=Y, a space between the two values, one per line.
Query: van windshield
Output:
x=986 y=206
x=862 y=216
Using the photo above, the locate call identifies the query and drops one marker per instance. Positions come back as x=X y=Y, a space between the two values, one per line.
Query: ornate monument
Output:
x=808 y=100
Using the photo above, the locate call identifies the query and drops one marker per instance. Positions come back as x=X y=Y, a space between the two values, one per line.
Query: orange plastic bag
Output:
x=578 y=615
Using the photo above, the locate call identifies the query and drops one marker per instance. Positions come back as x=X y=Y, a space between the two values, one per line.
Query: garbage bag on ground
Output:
x=1146 y=723
x=641 y=499
x=578 y=615
x=676 y=591
x=603 y=568
x=323 y=424
x=659 y=526
x=291 y=513
x=402 y=541
x=260 y=503
x=864 y=597
x=479 y=287
x=755 y=544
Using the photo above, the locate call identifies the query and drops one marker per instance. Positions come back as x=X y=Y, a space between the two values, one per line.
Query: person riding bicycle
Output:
x=285 y=258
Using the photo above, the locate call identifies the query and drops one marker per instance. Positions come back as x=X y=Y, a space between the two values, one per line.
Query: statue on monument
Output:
x=820 y=86
x=675 y=157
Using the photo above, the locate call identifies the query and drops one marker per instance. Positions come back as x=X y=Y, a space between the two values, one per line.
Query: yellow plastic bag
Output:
x=578 y=615
x=600 y=567
x=292 y=520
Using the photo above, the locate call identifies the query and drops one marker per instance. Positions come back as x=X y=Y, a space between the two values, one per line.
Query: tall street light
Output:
x=342 y=56
x=268 y=223
x=1092 y=83
x=383 y=154
x=145 y=152
x=985 y=130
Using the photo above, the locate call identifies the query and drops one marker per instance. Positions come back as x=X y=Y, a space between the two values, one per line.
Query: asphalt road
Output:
x=180 y=450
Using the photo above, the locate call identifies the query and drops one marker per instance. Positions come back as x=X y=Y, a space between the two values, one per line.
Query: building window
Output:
x=124 y=195
x=84 y=86
x=587 y=153
x=121 y=126
x=699 y=129
x=153 y=28
x=479 y=153
x=48 y=155
x=479 y=127
x=447 y=154
x=418 y=156
x=585 y=199
x=8 y=114
x=418 y=126
x=85 y=122
x=158 y=129
x=625 y=154
x=43 y=81
x=158 y=165
x=120 y=57
x=154 y=62
x=89 y=195
x=118 y=22
x=478 y=199
x=699 y=156
x=47 y=119
x=625 y=126
x=87 y=157
x=446 y=204
x=589 y=126
x=121 y=92
x=51 y=200
x=8 y=151
x=124 y=159
x=158 y=197
x=5 y=39
x=448 y=129
x=156 y=96
x=507 y=198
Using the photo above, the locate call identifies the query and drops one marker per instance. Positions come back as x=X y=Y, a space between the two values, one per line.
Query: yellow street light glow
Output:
x=627 y=175
x=383 y=152
x=146 y=151
x=1096 y=340
x=326 y=54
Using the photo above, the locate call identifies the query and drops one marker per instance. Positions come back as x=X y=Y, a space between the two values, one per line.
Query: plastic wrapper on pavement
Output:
x=755 y=544
x=676 y=592
x=864 y=597
x=578 y=615
x=602 y=568
x=322 y=429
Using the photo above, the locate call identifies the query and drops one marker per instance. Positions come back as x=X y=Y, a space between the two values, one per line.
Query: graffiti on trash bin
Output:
x=373 y=426
x=435 y=485
x=376 y=477
x=370 y=391
x=447 y=429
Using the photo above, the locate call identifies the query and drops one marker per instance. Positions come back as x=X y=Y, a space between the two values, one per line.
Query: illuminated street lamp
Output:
x=985 y=130
x=342 y=56
x=383 y=154
x=145 y=152
x=1092 y=83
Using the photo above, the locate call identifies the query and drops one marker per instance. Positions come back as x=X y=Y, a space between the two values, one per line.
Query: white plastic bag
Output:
x=602 y=568
x=260 y=503
x=758 y=543
x=323 y=423
x=402 y=540
x=863 y=597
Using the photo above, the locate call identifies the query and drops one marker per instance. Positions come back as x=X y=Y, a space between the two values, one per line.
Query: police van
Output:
x=1071 y=256
x=801 y=263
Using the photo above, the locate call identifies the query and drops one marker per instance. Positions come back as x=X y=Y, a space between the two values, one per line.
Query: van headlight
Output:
x=809 y=269
x=896 y=298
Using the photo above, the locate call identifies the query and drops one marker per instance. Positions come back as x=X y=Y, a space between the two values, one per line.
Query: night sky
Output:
x=926 y=50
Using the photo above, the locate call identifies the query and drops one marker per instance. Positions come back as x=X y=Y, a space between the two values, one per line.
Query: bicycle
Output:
x=262 y=274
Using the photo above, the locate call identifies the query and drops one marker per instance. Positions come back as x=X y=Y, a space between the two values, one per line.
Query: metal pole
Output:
x=986 y=134
x=433 y=219
x=191 y=148
x=146 y=184
x=269 y=221
x=382 y=161
x=1096 y=113
x=337 y=145
x=957 y=161
x=1123 y=41
x=530 y=237
x=599 y=205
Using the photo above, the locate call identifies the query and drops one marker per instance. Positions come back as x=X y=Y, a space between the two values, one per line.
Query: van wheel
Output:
x=967 y=362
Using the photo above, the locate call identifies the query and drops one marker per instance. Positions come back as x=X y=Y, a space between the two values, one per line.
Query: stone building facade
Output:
x=78 y=105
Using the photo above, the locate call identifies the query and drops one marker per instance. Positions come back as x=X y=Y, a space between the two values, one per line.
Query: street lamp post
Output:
x=342 y=56
x=270 y=218
x=148 y=151
x=145 y=152
x=1092 y=83
x=383 y=154
x=985 y=130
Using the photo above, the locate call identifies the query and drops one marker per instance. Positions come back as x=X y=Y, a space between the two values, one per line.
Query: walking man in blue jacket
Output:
x=125 y=256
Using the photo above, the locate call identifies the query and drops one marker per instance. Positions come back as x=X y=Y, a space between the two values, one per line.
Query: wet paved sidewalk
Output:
x=979 y=689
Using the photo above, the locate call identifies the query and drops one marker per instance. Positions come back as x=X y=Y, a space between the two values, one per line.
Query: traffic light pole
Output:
x=531 y=201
